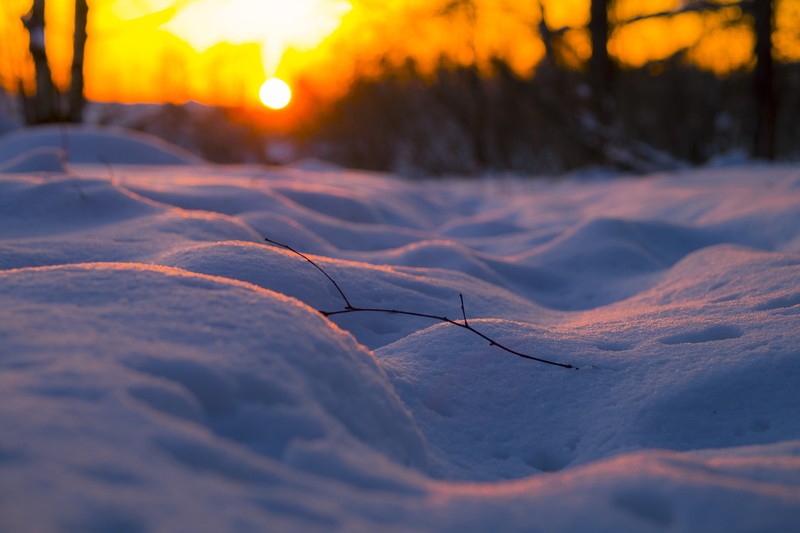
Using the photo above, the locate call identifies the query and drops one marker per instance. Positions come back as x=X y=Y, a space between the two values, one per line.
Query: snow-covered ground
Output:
x=163 y=368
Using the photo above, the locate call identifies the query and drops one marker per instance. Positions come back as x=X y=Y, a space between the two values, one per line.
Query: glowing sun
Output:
x=275 y=93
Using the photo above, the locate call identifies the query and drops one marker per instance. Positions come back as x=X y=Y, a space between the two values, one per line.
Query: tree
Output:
x=476 y=116
x=600 y=66
x=764 y=84
x=595 y=123
x=42 y=107
x=77 y=101
x=765 y=95
x=47 y=104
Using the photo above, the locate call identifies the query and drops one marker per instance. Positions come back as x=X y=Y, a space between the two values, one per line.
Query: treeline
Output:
x=459 y=120
x=573 y=111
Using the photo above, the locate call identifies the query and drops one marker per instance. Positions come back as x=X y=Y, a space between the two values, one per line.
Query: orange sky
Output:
x=221 y=51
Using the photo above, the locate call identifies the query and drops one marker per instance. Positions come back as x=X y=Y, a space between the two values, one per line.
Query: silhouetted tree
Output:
x=765 y=95
x=600 y=66
x=46 y=105
x=42 y=108
x=77 y=101
x=475 y=117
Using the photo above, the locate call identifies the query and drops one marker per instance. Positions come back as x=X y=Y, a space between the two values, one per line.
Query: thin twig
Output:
x=64 y=159
x=113 y=179
x=349 y=309
x=347 y=304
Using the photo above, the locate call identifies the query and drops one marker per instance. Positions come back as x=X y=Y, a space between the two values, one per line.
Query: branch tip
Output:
x=463 y=310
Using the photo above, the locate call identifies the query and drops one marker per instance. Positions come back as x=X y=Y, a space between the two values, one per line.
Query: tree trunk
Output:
x=765 y=95
x=76 y=98
x=546 y=34
x=600 y=68
x=44 y=105
x=479 y=122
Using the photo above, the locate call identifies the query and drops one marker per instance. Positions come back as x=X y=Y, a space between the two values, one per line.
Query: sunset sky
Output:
x=222 y=51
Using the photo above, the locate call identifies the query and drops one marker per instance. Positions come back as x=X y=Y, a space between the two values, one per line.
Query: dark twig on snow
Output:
x=350 y=308
x=347 y=304
x=63 y=158
x=112 y=176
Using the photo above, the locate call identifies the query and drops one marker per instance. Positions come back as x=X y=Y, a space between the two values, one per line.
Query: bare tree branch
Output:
x=348 y=306
x=691 y=7
x=349 y=309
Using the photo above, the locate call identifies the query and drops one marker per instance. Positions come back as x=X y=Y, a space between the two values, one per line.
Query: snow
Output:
x=41 y=149
x=163 y=368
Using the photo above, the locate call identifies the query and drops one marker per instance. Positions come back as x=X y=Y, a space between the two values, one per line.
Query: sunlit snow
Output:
x=162 y=368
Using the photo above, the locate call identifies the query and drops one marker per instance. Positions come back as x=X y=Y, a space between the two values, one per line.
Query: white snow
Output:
x=48 y=148
x=162 y=368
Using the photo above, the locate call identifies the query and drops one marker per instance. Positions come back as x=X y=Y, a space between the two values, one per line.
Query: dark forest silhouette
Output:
x=467 y=118
x=668 y=114
x=47 y=104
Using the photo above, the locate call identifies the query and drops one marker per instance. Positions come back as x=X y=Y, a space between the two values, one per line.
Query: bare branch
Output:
x=691 y=7
x=287 y=247
x=350 y=309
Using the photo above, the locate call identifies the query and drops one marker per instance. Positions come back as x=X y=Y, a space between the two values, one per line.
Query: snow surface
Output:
x=163 y=369
x=50 y=148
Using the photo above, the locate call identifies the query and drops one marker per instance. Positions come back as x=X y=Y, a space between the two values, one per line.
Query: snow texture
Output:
x=162 y=368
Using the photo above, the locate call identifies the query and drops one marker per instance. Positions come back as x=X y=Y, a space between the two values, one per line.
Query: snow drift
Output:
x=163 y=369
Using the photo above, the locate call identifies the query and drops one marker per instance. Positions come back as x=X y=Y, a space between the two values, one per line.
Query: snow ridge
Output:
x=163 y=369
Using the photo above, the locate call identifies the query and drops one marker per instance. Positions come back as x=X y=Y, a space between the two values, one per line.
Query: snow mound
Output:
x=190 y=378
x=366 y=285
x=26 y=150
x=46 y=159
x=59 y=220
x=165 y=368
x=744 y=489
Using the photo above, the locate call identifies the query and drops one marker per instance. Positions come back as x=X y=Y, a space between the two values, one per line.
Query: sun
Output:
x=275 y=93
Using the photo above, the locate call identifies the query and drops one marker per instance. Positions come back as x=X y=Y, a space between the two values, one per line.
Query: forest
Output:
x=468 y=107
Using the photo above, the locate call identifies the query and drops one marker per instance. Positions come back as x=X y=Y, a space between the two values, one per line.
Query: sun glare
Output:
x=275 y=93
x=219 y=52
x=276 y=25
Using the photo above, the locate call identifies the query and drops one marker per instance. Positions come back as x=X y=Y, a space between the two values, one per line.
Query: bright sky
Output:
x=222 y=51
x=275 y=25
